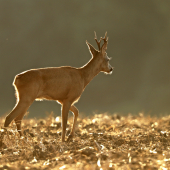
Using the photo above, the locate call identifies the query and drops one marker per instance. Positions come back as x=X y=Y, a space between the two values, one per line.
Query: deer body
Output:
x=59 y=83
x=62 y=84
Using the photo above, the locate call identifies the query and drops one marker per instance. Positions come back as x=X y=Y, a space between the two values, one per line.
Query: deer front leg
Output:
x=75 y=111
x=65 y=110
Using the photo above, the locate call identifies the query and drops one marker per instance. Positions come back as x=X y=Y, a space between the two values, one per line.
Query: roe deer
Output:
x=63 y=84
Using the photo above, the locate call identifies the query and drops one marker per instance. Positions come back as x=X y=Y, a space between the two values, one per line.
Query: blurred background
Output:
x=35 y=34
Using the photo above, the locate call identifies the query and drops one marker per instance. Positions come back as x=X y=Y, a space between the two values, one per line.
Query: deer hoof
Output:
x=20 y=133
x=70 y=137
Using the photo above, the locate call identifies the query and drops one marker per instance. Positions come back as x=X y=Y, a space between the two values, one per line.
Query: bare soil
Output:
x=101 y=142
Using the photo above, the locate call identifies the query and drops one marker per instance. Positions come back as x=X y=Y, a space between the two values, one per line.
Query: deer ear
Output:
x=92 y=50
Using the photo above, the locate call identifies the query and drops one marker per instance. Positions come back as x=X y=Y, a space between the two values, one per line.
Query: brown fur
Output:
x=63 y=84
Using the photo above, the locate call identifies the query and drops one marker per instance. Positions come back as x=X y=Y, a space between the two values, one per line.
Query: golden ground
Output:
x=101 y=142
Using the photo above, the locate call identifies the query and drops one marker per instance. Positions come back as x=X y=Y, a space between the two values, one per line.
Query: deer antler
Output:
x=98 y=42
x=105 y=39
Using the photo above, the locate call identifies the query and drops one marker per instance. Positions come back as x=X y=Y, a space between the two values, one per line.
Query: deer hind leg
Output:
x=65 y=110
x=17 y=113
x=75 y=111
x=18 y=121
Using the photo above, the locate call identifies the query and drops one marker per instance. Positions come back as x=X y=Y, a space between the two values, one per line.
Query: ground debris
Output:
x=101 y=142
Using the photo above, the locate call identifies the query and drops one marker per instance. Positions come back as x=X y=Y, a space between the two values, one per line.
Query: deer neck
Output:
x=90 y=70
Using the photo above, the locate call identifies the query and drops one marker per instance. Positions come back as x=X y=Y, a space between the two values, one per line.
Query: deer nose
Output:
x=111 y=69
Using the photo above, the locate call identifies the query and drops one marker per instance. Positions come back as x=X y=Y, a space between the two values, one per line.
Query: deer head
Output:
x=101 y=54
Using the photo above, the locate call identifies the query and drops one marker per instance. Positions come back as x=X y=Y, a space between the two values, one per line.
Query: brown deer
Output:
x=63 y=84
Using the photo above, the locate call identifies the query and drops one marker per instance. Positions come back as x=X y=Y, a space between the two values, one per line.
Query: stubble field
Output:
x=102 y=141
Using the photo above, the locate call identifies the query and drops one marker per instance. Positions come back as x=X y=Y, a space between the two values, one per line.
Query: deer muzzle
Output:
x=111 y=69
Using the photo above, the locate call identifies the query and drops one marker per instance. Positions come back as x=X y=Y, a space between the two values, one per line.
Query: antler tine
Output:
x=98 y=42
x=95 y=35
x=104 y=39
